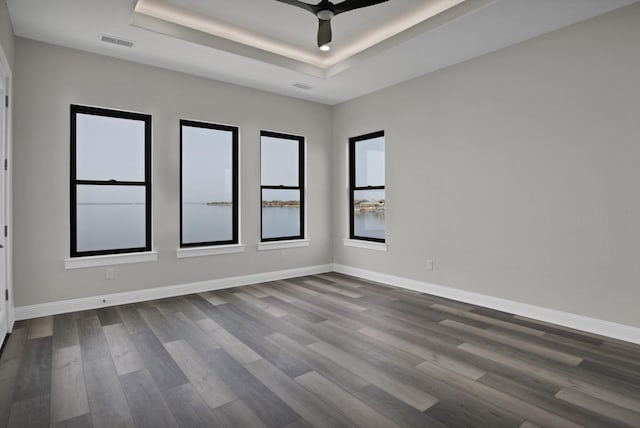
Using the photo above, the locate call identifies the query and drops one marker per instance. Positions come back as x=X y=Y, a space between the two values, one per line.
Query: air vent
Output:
x=302 y=86
x=116 y=41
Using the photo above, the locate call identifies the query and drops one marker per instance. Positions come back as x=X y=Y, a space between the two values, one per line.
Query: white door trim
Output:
x=6 y=76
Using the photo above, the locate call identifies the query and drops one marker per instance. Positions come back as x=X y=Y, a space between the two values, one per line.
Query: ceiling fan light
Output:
x=325 y=14
x=325 y=48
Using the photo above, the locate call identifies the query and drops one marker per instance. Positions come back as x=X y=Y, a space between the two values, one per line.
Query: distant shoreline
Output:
x=281 y=204
x=368 y=206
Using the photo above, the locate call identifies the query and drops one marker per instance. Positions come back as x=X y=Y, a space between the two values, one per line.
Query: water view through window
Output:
x=109 y=181
x=367 y=186
x=282 y=192
x=208 y=183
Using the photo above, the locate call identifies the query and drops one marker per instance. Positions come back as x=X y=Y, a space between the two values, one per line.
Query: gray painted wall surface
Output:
x=49 y=78
x=516 y=172
x=7 y=39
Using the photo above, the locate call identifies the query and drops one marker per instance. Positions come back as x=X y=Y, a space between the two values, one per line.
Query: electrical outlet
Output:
x=429 y=264
x=110 y=273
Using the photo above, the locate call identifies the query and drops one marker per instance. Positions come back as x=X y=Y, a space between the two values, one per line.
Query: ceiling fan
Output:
x=325 y=10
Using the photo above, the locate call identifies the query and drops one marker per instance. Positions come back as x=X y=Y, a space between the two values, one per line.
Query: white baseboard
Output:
x=566 y=319
x=65 y=306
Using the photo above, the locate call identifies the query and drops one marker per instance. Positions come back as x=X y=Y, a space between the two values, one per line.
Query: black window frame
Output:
x=300 y=187
x=76 y=109
x=353 y=188
x=235 y=132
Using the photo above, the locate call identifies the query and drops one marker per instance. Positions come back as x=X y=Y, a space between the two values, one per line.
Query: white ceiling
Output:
x=271 y=46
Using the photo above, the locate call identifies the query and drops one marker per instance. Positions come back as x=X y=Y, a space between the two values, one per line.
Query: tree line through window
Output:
x=110 y=184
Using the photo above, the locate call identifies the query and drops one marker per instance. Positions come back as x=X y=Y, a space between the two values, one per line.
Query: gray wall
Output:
x=49 y=78
x=7 y=39
x=516 y=172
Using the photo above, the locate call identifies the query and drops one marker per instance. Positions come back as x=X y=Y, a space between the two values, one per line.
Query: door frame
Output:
x=6 y=76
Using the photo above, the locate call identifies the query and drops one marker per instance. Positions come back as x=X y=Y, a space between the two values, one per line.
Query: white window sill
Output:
x=110 y=259
x=279 y=245
x=182 y=253
x=369 y=245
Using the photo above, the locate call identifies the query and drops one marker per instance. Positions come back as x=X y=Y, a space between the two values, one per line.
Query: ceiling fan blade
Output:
x=324 y=32
x=348 y=5
x=308 y=7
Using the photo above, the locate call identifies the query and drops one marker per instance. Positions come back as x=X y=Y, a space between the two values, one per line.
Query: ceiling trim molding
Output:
x=148 y=16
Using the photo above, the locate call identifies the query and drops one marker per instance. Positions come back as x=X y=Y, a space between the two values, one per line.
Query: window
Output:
x=209 y=184
x=110 y=181
x=282 y=190
x=366 y=187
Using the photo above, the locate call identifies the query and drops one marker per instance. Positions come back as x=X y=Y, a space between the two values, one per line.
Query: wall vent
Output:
x=302 y=86
x=116 y=41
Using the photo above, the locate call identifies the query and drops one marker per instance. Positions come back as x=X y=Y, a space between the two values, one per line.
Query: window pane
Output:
x=368 y=213
x=370 y=162
x=109 y=148
x=110 y=217
x=279 y=161
x=280 y=213
x=207 y=185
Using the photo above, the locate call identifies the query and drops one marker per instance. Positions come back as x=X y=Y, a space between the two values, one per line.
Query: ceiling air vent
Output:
x=302 y=86
x=116 y=41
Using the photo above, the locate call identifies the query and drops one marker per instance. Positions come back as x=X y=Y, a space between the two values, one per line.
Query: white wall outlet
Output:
x=110 y=273
x=429 y=264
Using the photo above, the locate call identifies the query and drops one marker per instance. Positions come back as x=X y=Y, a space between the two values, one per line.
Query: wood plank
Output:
x=82 y=421
x=332 y=289
x=425 y=353
x=279 y=294
x=123 y=351
x=602 y=407
x=65 y=331
x=497 y=398
x=356 y=343
x=542 y=351
x=41 y=327
x=262 y=305
x=92 y=341
x=237 y=349
x=107 y=402
x=189 y=408
x=9 y=366
x=274 y=323
x=487 y=320
x=238 y=414
x=248 y=330
x=395 y=409
x=157 y=360
x=132 y=319
x=68 y=392
x=34 y=374
x=179 y=304
x=303 y=402
x=147 y=406
x=208 y=384
x=549 y=402
x=261 y=400
x=320 y=364
x=213 y=298
x=352 y=408
x=33 y=412
x=164 y=330
x=255 y=291
x=108 y=316
x=604 y=394
x=290 y=309
x=412 y=396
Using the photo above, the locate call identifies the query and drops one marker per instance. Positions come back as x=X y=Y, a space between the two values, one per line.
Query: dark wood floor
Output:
x=326 y=351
